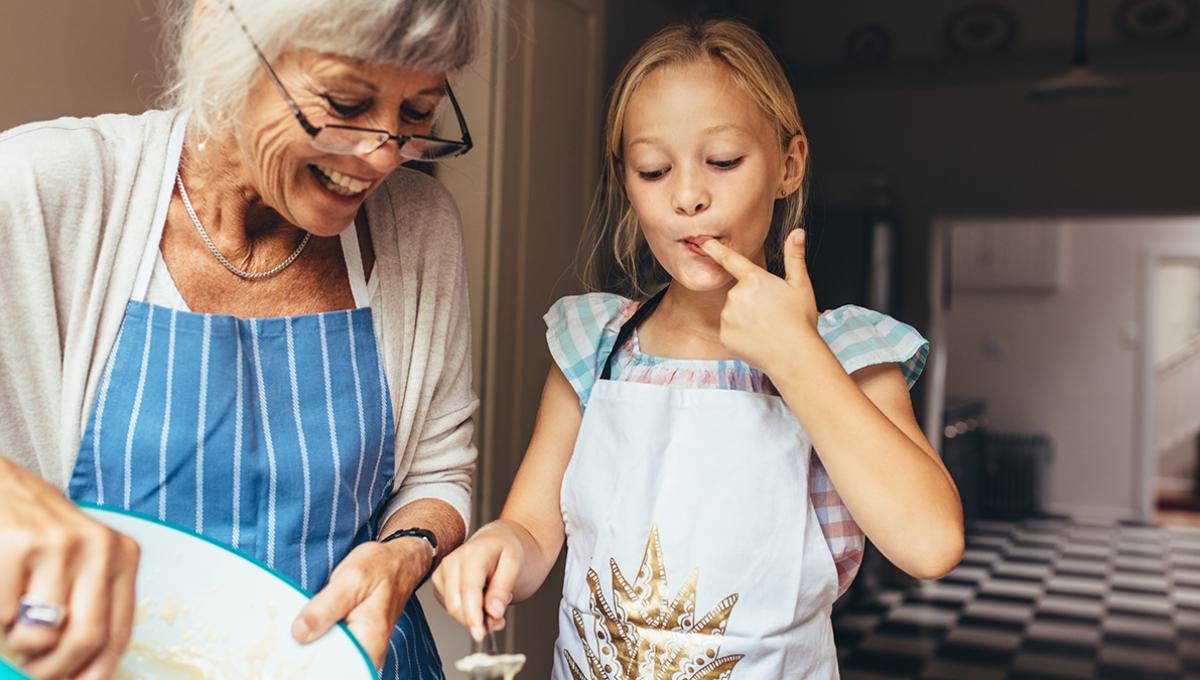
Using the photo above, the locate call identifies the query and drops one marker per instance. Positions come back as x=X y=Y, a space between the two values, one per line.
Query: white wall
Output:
x=1064 y=363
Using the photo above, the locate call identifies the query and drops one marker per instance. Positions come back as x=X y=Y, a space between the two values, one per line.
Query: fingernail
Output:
x=301 y=631
x=798 y=236
x=477 y=632
x=496 y=607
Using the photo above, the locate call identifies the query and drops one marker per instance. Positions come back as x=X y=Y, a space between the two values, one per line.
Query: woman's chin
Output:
x=320 y=221
x=322 y=212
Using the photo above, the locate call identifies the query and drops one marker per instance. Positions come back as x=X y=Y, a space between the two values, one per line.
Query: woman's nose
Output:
x=384 y=159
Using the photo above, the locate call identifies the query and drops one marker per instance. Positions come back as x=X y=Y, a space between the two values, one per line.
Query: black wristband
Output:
x=426 y=534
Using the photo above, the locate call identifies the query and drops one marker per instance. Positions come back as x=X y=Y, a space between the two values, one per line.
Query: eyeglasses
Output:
x=351 y=140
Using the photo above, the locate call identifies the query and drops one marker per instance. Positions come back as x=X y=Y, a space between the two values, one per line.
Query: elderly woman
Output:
x=239 y=315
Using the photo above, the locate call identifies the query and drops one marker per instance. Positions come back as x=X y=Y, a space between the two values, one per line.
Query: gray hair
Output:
x=211 y=64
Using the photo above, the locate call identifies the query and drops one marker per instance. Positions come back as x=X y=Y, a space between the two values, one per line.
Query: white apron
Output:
x=693 y=549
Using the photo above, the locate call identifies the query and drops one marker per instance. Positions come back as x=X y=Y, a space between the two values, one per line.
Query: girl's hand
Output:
x=369 y=589
x=57 y=555
x=491 y=559
x=765 y=316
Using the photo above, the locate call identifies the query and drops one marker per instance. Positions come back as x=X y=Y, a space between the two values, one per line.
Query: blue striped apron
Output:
x=273 y=435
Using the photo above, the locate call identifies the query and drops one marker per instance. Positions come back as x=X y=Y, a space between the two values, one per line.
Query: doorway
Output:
x=1169 y=420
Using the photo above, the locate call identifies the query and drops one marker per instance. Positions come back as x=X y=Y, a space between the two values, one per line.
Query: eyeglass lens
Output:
x=341 y=140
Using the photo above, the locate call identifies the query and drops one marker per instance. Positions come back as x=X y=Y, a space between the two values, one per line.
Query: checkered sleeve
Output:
x=581 y=331
x=859 y=337
x=845 y=539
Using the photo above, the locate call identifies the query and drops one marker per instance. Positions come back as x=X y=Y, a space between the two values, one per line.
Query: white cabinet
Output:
x=1008 y=255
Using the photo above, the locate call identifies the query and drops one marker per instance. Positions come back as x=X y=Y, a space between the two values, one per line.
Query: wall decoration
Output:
x=1155 y=19
x=868 y=44
x=981 y=29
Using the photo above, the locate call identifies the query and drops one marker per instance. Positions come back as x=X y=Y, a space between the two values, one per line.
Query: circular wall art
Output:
x=1155 y=19
x=868 y=44
x=981 y=29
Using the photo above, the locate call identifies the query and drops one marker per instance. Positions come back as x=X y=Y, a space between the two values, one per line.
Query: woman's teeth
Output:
x=343 y=185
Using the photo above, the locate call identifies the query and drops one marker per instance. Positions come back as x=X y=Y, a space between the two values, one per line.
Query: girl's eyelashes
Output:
x=727 y=165
x=348 y=109
x=652 y=175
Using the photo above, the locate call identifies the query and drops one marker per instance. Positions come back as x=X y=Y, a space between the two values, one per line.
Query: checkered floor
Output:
x=1040 y=599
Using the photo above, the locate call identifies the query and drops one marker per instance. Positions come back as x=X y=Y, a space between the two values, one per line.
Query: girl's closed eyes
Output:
x=652 y=175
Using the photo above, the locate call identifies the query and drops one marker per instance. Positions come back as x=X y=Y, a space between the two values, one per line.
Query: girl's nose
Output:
x=690 y=196
x=691 y=209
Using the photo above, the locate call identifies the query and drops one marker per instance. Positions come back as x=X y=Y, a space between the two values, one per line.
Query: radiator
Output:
x=1015 y=469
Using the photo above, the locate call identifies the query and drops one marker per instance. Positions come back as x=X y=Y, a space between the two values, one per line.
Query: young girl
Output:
x=673 y=445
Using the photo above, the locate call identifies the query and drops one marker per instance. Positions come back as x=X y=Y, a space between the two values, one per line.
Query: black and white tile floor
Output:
x=1044 y=598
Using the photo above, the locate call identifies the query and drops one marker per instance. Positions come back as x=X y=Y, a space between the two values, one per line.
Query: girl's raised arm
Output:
x=862 y=426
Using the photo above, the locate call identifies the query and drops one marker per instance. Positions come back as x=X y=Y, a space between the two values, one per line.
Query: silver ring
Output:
x=35 y=612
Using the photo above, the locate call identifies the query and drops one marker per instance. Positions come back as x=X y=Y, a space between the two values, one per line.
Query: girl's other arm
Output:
x=885 y=470
x=512 y=556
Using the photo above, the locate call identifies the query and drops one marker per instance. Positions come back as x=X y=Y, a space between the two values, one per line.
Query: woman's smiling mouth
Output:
x=337 y=182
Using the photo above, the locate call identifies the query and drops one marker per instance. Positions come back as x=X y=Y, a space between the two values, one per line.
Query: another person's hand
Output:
x=765 y=316
x=369 y=589
x=490 y=560
x=69 y=567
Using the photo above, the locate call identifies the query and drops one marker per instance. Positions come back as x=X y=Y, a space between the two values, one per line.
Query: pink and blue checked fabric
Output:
x=582 y=329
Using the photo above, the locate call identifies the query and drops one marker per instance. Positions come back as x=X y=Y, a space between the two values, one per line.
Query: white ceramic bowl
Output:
x=205 y=611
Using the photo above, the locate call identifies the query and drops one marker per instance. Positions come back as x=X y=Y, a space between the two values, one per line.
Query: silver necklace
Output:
x=212 y=247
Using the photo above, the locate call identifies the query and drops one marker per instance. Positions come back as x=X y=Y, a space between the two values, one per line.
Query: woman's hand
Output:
x=57 y=555
x=491 y=559
x=765 y=315
x=369 y=589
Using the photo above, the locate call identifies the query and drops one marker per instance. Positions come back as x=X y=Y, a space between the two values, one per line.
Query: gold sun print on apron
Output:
x=646 y=635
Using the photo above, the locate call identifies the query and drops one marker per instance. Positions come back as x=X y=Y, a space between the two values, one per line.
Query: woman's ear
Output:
x=795 y=163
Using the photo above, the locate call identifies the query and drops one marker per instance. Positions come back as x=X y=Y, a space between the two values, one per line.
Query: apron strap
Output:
x=352 y=255
x=629 y=326
x=141 y=282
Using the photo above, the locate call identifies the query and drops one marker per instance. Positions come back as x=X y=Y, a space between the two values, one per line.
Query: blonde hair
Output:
x=618 y=259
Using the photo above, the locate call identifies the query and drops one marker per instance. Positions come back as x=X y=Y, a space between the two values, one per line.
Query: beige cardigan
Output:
x=77 y=202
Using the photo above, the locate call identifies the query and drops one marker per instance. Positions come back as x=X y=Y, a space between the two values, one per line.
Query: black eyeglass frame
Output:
x=460 y=147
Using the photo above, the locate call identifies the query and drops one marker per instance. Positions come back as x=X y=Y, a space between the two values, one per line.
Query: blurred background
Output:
x=1017 y=179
